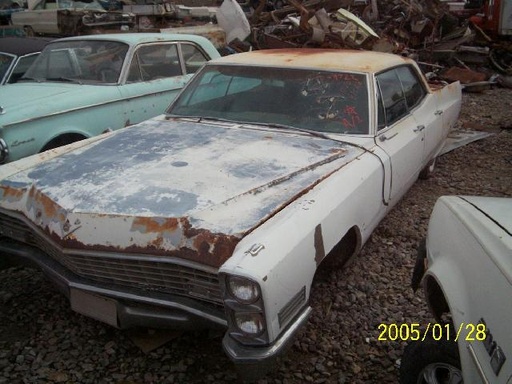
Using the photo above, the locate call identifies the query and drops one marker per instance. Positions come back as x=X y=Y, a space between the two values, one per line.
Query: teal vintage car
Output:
x=83 y=86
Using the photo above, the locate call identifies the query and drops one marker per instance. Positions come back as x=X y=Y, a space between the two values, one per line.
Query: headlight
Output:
x=4 y=151
x=250 y=323
x=243 y=290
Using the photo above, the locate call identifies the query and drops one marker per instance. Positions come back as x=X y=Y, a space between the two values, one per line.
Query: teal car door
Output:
x=156 y=74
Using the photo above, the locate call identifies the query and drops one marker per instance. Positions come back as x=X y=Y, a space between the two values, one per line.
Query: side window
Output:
x=134 y=72
x=50 y=4
x=392 y=96
x=413 y=89
x=21 y=67
x=155 y=61
x=40 y=5
x=193 y=57
x=381 y=114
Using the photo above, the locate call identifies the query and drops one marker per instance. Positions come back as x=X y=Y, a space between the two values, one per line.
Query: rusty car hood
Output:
x=175 y=188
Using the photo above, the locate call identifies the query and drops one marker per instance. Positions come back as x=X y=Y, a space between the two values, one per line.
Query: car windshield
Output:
x=322 y=101
x=5 y=63
x=80 y=61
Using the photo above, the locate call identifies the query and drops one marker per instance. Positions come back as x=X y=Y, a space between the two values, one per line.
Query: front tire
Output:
x=431 y=362
x=427 y=172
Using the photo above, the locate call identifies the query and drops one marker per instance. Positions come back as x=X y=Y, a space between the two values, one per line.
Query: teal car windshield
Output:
x=322 y=101
x=85 y=61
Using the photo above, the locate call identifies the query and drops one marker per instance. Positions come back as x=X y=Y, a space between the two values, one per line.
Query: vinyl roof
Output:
x=22 y=45
x=324 y=59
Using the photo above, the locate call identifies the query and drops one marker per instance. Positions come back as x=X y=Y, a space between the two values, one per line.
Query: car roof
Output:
x=22 y=45
x=322 y=59
x=137 y=38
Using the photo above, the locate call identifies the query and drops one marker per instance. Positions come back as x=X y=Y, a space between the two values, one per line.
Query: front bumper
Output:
x=131 y=308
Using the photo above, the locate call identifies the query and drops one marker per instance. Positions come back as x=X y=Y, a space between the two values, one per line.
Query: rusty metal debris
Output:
x=452 y=39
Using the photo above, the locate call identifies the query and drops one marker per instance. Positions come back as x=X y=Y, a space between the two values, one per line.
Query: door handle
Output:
x=419 y=128
x=384 y=137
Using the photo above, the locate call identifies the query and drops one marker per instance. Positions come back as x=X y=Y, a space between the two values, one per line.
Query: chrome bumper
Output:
x=134 y=308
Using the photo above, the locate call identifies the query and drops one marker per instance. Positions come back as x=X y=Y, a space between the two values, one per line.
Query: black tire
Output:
x=62 y=140
x=427 y=172
x=432 y=362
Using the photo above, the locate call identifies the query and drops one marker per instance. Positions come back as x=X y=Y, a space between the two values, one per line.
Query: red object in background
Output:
x=495 y=18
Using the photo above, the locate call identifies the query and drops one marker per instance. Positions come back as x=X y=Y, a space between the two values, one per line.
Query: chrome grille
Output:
x=142 y=272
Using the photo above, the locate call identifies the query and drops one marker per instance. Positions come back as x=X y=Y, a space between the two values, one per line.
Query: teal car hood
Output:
x=24 y=101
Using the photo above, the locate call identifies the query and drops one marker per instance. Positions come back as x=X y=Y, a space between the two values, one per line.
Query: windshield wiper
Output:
x=29 y=79
x=269 y=125
x=65 y=79
x=201 y=118
x=295 y=129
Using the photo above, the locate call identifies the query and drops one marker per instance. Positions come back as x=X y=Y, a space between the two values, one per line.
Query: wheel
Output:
x=29 y=32
x=427 y=172
x=431 y=362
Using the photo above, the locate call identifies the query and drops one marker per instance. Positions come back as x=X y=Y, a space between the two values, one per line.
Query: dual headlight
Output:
x=244 y=307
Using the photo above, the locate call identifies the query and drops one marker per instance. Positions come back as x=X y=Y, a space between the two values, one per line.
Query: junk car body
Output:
x=7 y=8
x=82 y=86
x=468 y=275
x=219 y=212
x=16 y=56
x=70 y=18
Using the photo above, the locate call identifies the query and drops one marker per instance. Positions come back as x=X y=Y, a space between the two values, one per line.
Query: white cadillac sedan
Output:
x=219 y=212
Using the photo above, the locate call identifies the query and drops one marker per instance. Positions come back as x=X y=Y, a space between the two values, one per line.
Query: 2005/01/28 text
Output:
x=414 y=332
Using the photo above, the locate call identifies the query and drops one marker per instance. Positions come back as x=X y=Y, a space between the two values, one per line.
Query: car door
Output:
x=399 y=133
x=156 y=73
x=425 y=109
x=43 y=17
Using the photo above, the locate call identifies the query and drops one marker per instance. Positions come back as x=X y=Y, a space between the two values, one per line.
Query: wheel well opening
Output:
x=436 y=299
x=63 y=139
x=346 y=248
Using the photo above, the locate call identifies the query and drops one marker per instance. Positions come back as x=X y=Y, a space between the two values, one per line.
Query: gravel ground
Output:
x=42 y=340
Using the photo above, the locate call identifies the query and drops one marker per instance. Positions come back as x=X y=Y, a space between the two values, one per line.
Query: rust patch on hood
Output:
x=12 y=194
x=172 y=237
x=149 y=224
x=49 y=208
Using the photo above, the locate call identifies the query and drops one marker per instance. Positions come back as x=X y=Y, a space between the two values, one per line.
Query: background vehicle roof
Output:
x=22 y=45
x=327 y=59
x=137 y=38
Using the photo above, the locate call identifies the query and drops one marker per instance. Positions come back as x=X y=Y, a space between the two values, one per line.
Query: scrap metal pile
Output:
x=448 y=38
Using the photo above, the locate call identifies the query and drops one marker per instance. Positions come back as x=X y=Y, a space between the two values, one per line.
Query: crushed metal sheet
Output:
x=460 y=138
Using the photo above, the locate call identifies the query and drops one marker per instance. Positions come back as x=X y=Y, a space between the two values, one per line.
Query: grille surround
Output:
x=141 y=272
